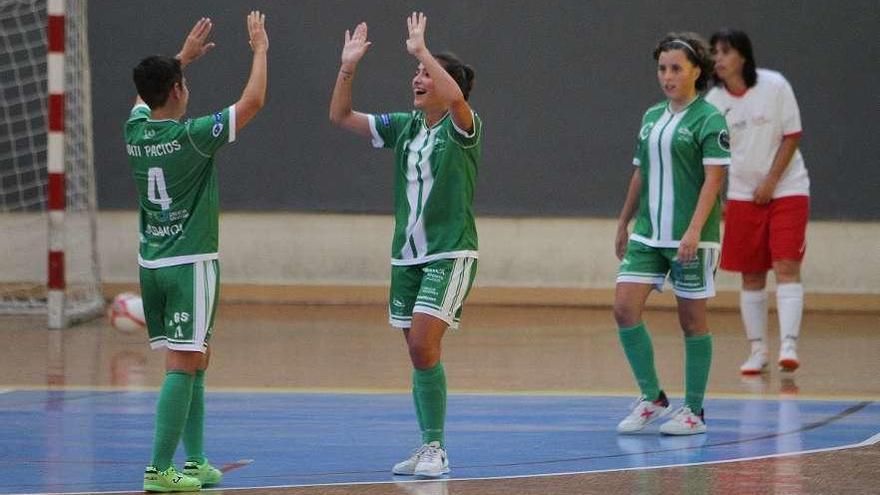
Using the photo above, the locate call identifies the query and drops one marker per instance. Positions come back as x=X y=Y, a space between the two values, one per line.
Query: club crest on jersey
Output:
x=646 y=130
x=724 y=140
x=218 y=124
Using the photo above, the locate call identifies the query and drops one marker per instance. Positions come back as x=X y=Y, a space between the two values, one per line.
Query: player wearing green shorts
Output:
x=437 y=150
x=681 y=159
x=176 y=180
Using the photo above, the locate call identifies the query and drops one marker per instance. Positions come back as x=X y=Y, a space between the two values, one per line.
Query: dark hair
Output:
x=155 y=76
x=695 y=49
x=461 y=72
x=739 y=41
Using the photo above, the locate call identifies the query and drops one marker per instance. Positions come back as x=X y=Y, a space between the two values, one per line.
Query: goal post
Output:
x=48 y=228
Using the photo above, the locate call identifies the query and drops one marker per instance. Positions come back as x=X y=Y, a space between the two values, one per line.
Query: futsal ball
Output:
x=126 y=313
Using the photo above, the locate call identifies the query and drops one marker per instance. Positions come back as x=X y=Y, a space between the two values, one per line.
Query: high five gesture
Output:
x=355 y=47
x=257 y=37
x=196 y=43
x=415 y=25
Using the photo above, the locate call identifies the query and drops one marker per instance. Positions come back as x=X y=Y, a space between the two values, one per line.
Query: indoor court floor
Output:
x=316 y=400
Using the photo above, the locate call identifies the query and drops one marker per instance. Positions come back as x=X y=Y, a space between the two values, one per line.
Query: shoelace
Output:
x=683 y=413
x=417 y=452
x=430 y=453
x=637 y=401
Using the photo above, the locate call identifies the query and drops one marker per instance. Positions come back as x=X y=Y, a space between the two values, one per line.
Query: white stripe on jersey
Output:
x=661 y=191
x=419 y=181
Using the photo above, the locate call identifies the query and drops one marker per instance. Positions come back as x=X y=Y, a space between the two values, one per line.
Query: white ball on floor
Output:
x=126 y=313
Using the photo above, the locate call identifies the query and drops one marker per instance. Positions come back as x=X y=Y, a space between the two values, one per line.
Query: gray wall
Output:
x=561 y=86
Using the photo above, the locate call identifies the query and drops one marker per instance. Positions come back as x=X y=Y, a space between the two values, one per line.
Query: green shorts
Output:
x=437 y=288
x=179 y=303
x=644 y=264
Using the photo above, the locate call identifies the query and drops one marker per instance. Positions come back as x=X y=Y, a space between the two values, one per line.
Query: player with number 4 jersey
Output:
x=176 y=180
x=173 y=165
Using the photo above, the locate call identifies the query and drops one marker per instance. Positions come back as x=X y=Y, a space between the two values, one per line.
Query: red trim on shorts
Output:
x=757 y=235
x=793 y=134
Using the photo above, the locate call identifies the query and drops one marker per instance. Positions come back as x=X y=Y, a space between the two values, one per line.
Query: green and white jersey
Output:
x=671 y=152
x=173 y=165
x=435 y=174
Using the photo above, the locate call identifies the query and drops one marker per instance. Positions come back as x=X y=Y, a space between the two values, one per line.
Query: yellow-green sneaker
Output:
x=205 y=472
x=169 y=480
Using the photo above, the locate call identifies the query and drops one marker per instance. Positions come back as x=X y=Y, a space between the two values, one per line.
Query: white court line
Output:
x=865 y=443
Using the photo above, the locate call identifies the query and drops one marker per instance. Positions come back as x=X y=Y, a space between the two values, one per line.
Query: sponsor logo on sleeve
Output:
x=385 y=119
x=218 y=124
x=724 y=140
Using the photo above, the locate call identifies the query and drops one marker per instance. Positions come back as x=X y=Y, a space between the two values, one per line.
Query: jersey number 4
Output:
x=156 y=190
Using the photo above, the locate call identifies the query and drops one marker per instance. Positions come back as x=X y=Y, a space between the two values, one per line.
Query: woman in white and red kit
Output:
x=768 y=192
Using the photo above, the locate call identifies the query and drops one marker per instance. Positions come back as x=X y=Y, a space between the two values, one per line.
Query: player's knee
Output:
x=693 y=324
x=423 y=355
x=625 y=315
x=754 y=281
x=787 y=271
x=186 y=361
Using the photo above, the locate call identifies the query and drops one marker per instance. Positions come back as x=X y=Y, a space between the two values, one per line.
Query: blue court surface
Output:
x=71 y=441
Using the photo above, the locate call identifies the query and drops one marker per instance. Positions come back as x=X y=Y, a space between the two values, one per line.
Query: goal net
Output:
x=25 y=233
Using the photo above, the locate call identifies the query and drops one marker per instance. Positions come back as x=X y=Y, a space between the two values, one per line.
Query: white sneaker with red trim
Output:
x=644 y=412
x=684 y=422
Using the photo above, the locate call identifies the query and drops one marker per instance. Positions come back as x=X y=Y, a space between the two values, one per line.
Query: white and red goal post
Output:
x=46 y=164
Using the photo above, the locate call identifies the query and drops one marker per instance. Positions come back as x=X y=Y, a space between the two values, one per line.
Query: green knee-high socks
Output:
x=697 y=361
x=429 y=394
x=194 y=430
x=172 y=409
x=640 y=353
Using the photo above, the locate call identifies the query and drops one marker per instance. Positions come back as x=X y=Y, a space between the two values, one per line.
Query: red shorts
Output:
x=757 y=235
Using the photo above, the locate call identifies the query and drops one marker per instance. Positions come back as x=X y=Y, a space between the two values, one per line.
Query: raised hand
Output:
x=415 y=25
x=356 y=45
x=196 y=43
x=257 y=37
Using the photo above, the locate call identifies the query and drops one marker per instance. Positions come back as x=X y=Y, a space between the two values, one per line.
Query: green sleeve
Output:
x=210 y=132
x=464 y=139
x=715 y=141
x=387 y=127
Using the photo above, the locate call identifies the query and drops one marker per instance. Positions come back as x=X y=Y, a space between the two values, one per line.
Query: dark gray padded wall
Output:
x=561 y=87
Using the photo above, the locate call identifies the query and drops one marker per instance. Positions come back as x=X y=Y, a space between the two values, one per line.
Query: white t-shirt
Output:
x=758 y=120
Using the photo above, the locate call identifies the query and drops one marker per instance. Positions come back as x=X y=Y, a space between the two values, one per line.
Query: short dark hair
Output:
x=461 y=72
x=695 y=49
x=739 y=41
x=155 y=76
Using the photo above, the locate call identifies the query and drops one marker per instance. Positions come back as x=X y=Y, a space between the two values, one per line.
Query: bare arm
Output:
x=341 y=113
x=764 y=192
x=444 y=85
x=687 y=248
x=630 y=207
x=253 y=97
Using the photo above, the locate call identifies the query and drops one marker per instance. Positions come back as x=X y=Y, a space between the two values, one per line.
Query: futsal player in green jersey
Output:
x=437 y=149
x=176 y=181
x=681 y=158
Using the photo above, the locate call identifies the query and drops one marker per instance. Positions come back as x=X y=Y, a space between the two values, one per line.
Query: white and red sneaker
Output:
x=684 y=422
x=644 y=412
x=788 y=358
x=756 y=363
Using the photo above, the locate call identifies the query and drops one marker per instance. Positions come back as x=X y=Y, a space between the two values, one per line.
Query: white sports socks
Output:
x=753 y=308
